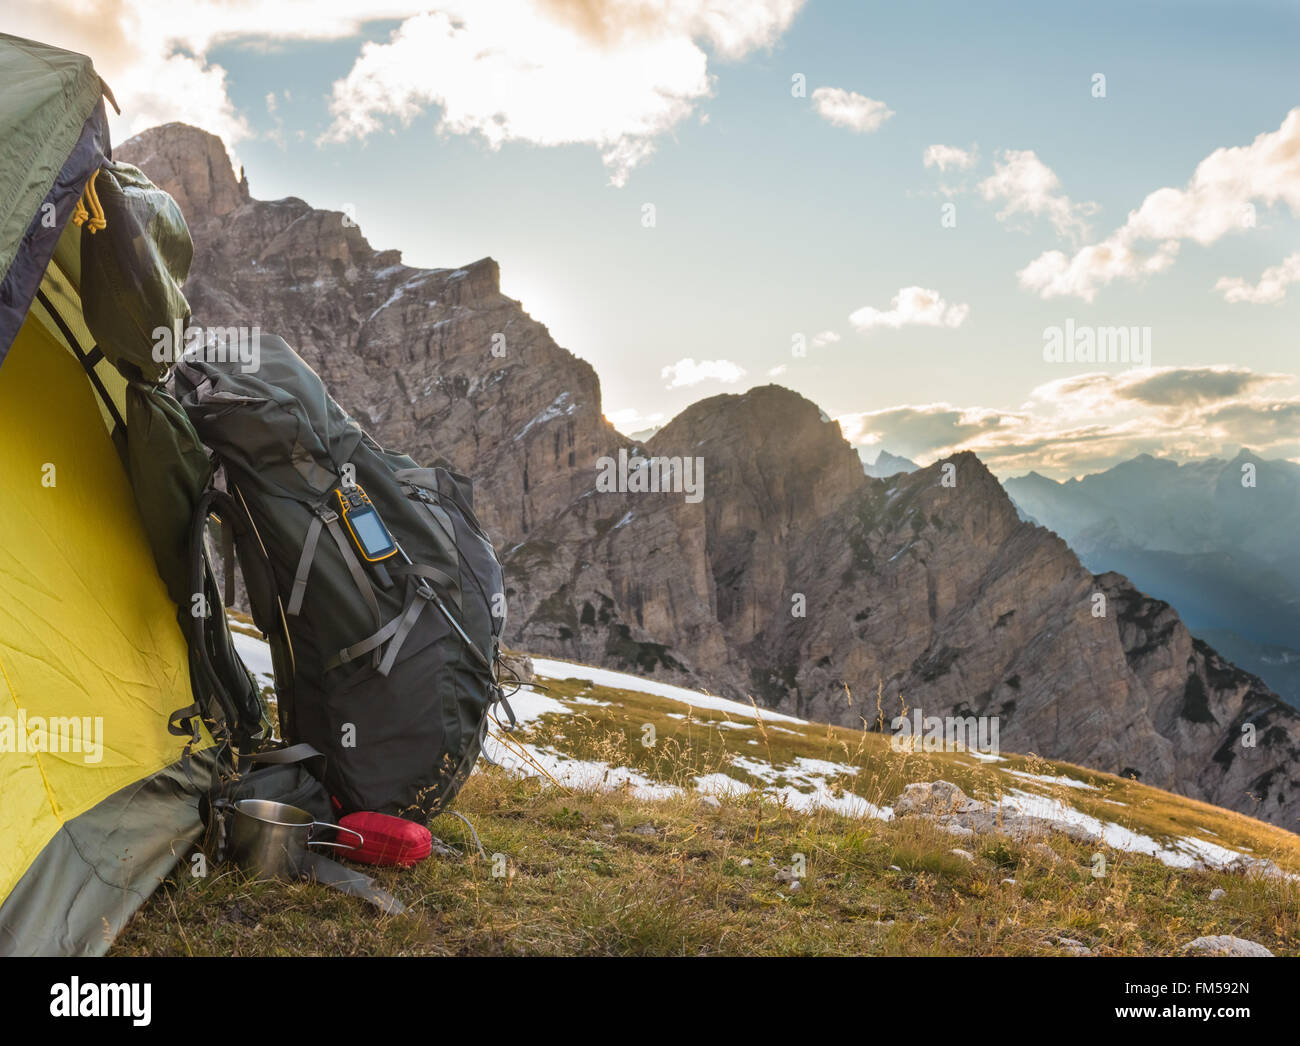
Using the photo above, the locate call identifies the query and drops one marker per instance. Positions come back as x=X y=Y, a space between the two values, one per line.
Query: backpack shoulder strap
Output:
x=217 y=673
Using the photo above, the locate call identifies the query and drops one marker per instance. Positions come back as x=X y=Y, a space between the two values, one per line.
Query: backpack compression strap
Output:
x=326 y=518
x=418 y=595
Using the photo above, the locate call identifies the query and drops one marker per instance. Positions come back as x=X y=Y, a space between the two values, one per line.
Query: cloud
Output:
x=1274 y=426
x=144 y=52
x=154 y=54
x=689 y=372
x=1089 y=422
x=596 y=72
x=1193 y=386
x=825 y=338
x=849 y=109
x=1030 y=188
x=911 y=306
x=1053 y=275
x=1271 y=288
x=615 y=76
x=1219 y=199
x=629 y=419
x=1170 y=388
x=922 y=430
x=949 y=156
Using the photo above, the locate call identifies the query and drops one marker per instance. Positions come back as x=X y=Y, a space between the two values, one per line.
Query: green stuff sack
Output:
x=132 y=267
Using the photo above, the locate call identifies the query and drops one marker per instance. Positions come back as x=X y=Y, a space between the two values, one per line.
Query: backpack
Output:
x=384 y=658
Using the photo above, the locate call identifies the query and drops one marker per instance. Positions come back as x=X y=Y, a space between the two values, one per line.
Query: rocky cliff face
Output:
x=436 y=361
x=795 y=578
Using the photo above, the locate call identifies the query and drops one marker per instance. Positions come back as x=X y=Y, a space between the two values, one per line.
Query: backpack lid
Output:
x=292 y=437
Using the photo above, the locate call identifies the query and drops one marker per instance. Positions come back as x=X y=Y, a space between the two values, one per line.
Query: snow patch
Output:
x=590 y=775
x=1068 y=782
x=552 y=669
x=721 y=785
x=555 y=410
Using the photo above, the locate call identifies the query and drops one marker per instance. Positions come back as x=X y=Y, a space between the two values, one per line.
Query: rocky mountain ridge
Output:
x=795 y=578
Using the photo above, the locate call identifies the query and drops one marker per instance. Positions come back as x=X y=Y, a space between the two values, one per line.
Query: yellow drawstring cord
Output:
x=92 y=219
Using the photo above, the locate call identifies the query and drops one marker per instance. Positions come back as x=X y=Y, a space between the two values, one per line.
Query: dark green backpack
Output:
x=387 y=668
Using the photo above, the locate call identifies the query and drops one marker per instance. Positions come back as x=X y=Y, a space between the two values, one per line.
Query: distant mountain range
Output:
x=795 y=578
x=1218 y=539
x=886 y=464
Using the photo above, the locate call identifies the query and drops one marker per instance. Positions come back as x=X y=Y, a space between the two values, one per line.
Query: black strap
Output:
x=321 y=869
x=86 y=361
x=228 y=560
x=304 y=565
x=433 y=574
x=396 y=629
x=409 y=618
x=210 y=633
x=504 y=702
x=354 y=566
x=302 y=752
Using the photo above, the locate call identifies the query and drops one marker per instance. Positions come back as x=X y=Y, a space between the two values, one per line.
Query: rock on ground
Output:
x=1226 y=944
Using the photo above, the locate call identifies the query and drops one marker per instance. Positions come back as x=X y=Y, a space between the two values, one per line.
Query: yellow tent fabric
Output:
x=86 y=626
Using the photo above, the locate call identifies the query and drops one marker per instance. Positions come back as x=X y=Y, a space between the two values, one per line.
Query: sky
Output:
x=901 y=211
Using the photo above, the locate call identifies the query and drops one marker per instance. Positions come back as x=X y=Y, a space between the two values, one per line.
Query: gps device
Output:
x=368 y=531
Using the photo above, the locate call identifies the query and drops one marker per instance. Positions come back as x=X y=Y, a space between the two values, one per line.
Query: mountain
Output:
x=886 y=464
x=792 y=576
x=1216 y=538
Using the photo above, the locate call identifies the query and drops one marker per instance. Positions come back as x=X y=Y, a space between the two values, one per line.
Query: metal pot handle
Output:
x=337 y=828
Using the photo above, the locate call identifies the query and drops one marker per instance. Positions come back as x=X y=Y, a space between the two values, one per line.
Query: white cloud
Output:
x=1271 y=288
x=597 y=72
x=1053 y=275
x=629 y=419
x=154 y=54
x=777 y=371
x=690 y=372
x=1030 y=188
x=825 y=338
x=1219 y=199
x=610 y=75
x=1089 y=422
x=849 y=109
x=949 y=156
x=911 y=306
x=136 y=48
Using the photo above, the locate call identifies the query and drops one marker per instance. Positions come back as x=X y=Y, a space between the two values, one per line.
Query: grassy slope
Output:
x=587 y=876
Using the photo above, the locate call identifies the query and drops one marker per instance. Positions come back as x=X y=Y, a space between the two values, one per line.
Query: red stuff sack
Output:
x=388 y=840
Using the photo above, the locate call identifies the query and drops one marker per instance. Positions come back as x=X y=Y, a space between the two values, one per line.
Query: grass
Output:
x=593 y=872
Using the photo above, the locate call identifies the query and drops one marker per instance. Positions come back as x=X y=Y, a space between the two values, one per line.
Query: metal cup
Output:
x=270 y=839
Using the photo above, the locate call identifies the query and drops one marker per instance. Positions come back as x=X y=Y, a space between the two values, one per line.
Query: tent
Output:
x=99 y=789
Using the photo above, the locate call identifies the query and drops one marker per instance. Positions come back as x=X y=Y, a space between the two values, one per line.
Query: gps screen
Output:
x=370 y=532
